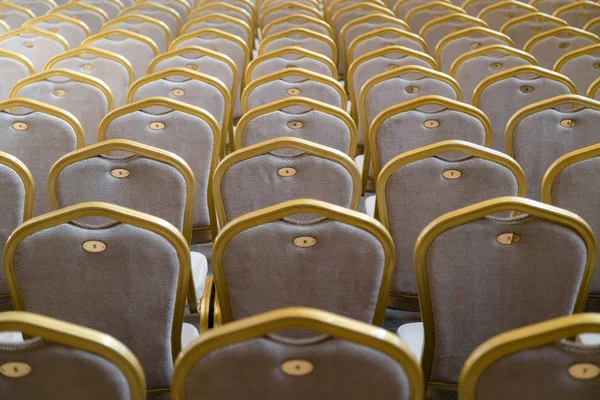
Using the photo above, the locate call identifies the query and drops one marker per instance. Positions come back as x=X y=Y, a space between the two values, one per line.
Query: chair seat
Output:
x=370 y=206
x=10 y=337
x=199 y=272
x=413 y=335
x=188 y=333
x=590 y=339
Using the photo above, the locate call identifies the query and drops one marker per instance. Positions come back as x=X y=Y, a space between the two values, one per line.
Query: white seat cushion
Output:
x=413 y=335
x=199 y=272
x=10 y=337
x=370 y=206
x=590 y=339
x=188 y=333
x=359 y=161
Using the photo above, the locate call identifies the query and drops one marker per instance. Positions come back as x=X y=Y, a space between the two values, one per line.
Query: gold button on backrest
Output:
x=564 y=45
x=15 y=369
x=584 y=371
x=451 y=174
x=178 y=92
x=536 y=29
x=508 y=238
x=496 y=65
x=192 y=67
x=119 y=173
x=305 y=241
x=297 y=367
x=87 y=67
x=29 y=45
x=567 y=123
x=391 y=67
x=431 y=123
x=53 y=30
x=412 y=89
x=157 y=126
x=293 y=91
x=585 y=16
x=286 y=171
x=510 y=15
x=597 y=65
x=295 y=124
x=455 y=29
x=476 y=45
x=527 y=89
x=59 y=92
x=94 y=246
x=20 y=126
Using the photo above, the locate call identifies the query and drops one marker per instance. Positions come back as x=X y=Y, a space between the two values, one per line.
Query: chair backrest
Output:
x=523 y=28
x=223 y=22
x=94 y=17
x=549 y=6
x=581 y=66
x=268 y=4
x=182 y=7
x=569 y=369
x=578 y=14
x=402 y=7
x=474 y=7
x=350 y=244
x=222 y=8
x=334 y=6
x=293 y=82
x=112 y=8
x=593 y=91
x=547 y=47
x=439 y=28
x=504 y=93
x=88 y=363
x=153 y=28
x=420 y=185
x=301 y=37
x=87 y=98
x=38 y=45
x=163 y=13
x=381 y=37
x=492 y=261
x=593 y=26
x=418 y=16
x=73 y=30
x=297 y=21
x=183 y=129
x=138 y=49
x=552 y=127
x=286 y=9
x=472 y=67
x=500 y=12
x=14 y=67
x=15 y=16
x=345 y=348
x=90 y=281
x=38 y=7
x=248 y=5
x=283 y=169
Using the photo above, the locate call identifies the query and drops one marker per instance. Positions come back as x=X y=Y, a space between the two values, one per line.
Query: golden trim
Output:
x=328 y=9
x=185 y=108
x=374 y=7
x=305 y=53
x=109 y=55
x=121 y=32
x=477 y=211
x=119 y=214
x=399 y=3
x=306 y=33
x=187 y=5
x=20 y=58
x=501 y=4
x=224 y=17
x=119 y=3
x=379 y=32
x=296 y=101
x=593 y=88
x=38 y=32
x=198 y=76
x=205 y=303
x=271 y=145
x=466 y=32
x=523 y=69
x=145 y=5
x=21 y=169
x=574 y=54
x=304 y=73
x=44 y=108
x=81 y=338
x=60 y=17
x=556 y=31
x=518 y=340
x=144 y=18
x=426 y=6
x=298 y=7
x=301 y=206
x=513 y=51
x=591 y=23
x=576 y=4
x=79 y=4
x=444 y=18
x=533 y=15
x=299 y=318
x=444 y=102
x=18 y=8
x=264 y=5
x=227 y=6
x=307 y=18
x=4 y=26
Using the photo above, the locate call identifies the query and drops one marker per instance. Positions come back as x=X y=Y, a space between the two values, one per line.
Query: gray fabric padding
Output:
x=461 y=45
x=317 y=126
x=309 y=43
x=543 y=132
x=541 y=372
x=160 y=15
x=43 y=48
x=342 y=273
x=406 y=131
x=127 y=291
x=226 y=26
x=184 y=134
x=549 y=6
x=342 y=369
x=284 y=26
x=152 y=187
x=475 y=7
x=420 y=18
x=368 y=26
x=498 y=17
x=271 y=91
x=199 y=266
x=12 y=72
x=378 y=42
x=278 y=63
x=148 y=29
x=205 y=64
x=73 y=33
x=46 y=139
x=5 y=305
x=138 y=53
x=284 y=12
x=579 y=16
x=177 y=6
x=220 y=9
x=60 y=372
x=112 y=9
x=92 y=19
x=254 y=183
x=408 y=5
x=39 y=8
x=503 y=287
x=547 y=51
x=576 y=189
x=14 y=18
x=581 y=71
x=417 y=193
x=436 y=33
x=521 y=32
x=197 y=93
x=85 y=101
x=114 y=74
x=500 y=100
x=471 y=72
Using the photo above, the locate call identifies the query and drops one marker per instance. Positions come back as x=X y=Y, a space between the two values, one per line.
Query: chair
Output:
x=579 y=13
x=547 y=47
x=138 y=49
x=318 y=253
x=283 y=169
x=499 y=13
x=418 y=16
x=346 y=349
x=163 y=13
x=87 y=98
x=94 y=17
x=222 y=8
x=419 y=185
x=104 y=276
x=183 y=129
x=297 y=21
x=593 y=90
x=223 y=22
x=73 y=30
x=504 y=93
x=334 y=6
x=471 y=68
x=439 y=28
x=14 y=67
x=549 y=6
x=474 y=7
x=88 y=364
x=50 y=133
x=15 y=16
x=498 y=259
x=248 y=5
x=402 y=7
x=38 y=7
x=187 y=86
x=580 y=66
x=153 y=28
x=182 y=7
x=111 y=68
x=286 y=9
x=300 y=37
x=540 y=359
x=523 y=28
x=112 y=8
x=268 y=4
x=593 y=26
x=454 y=45
x=38 y=45
x=290 y=57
